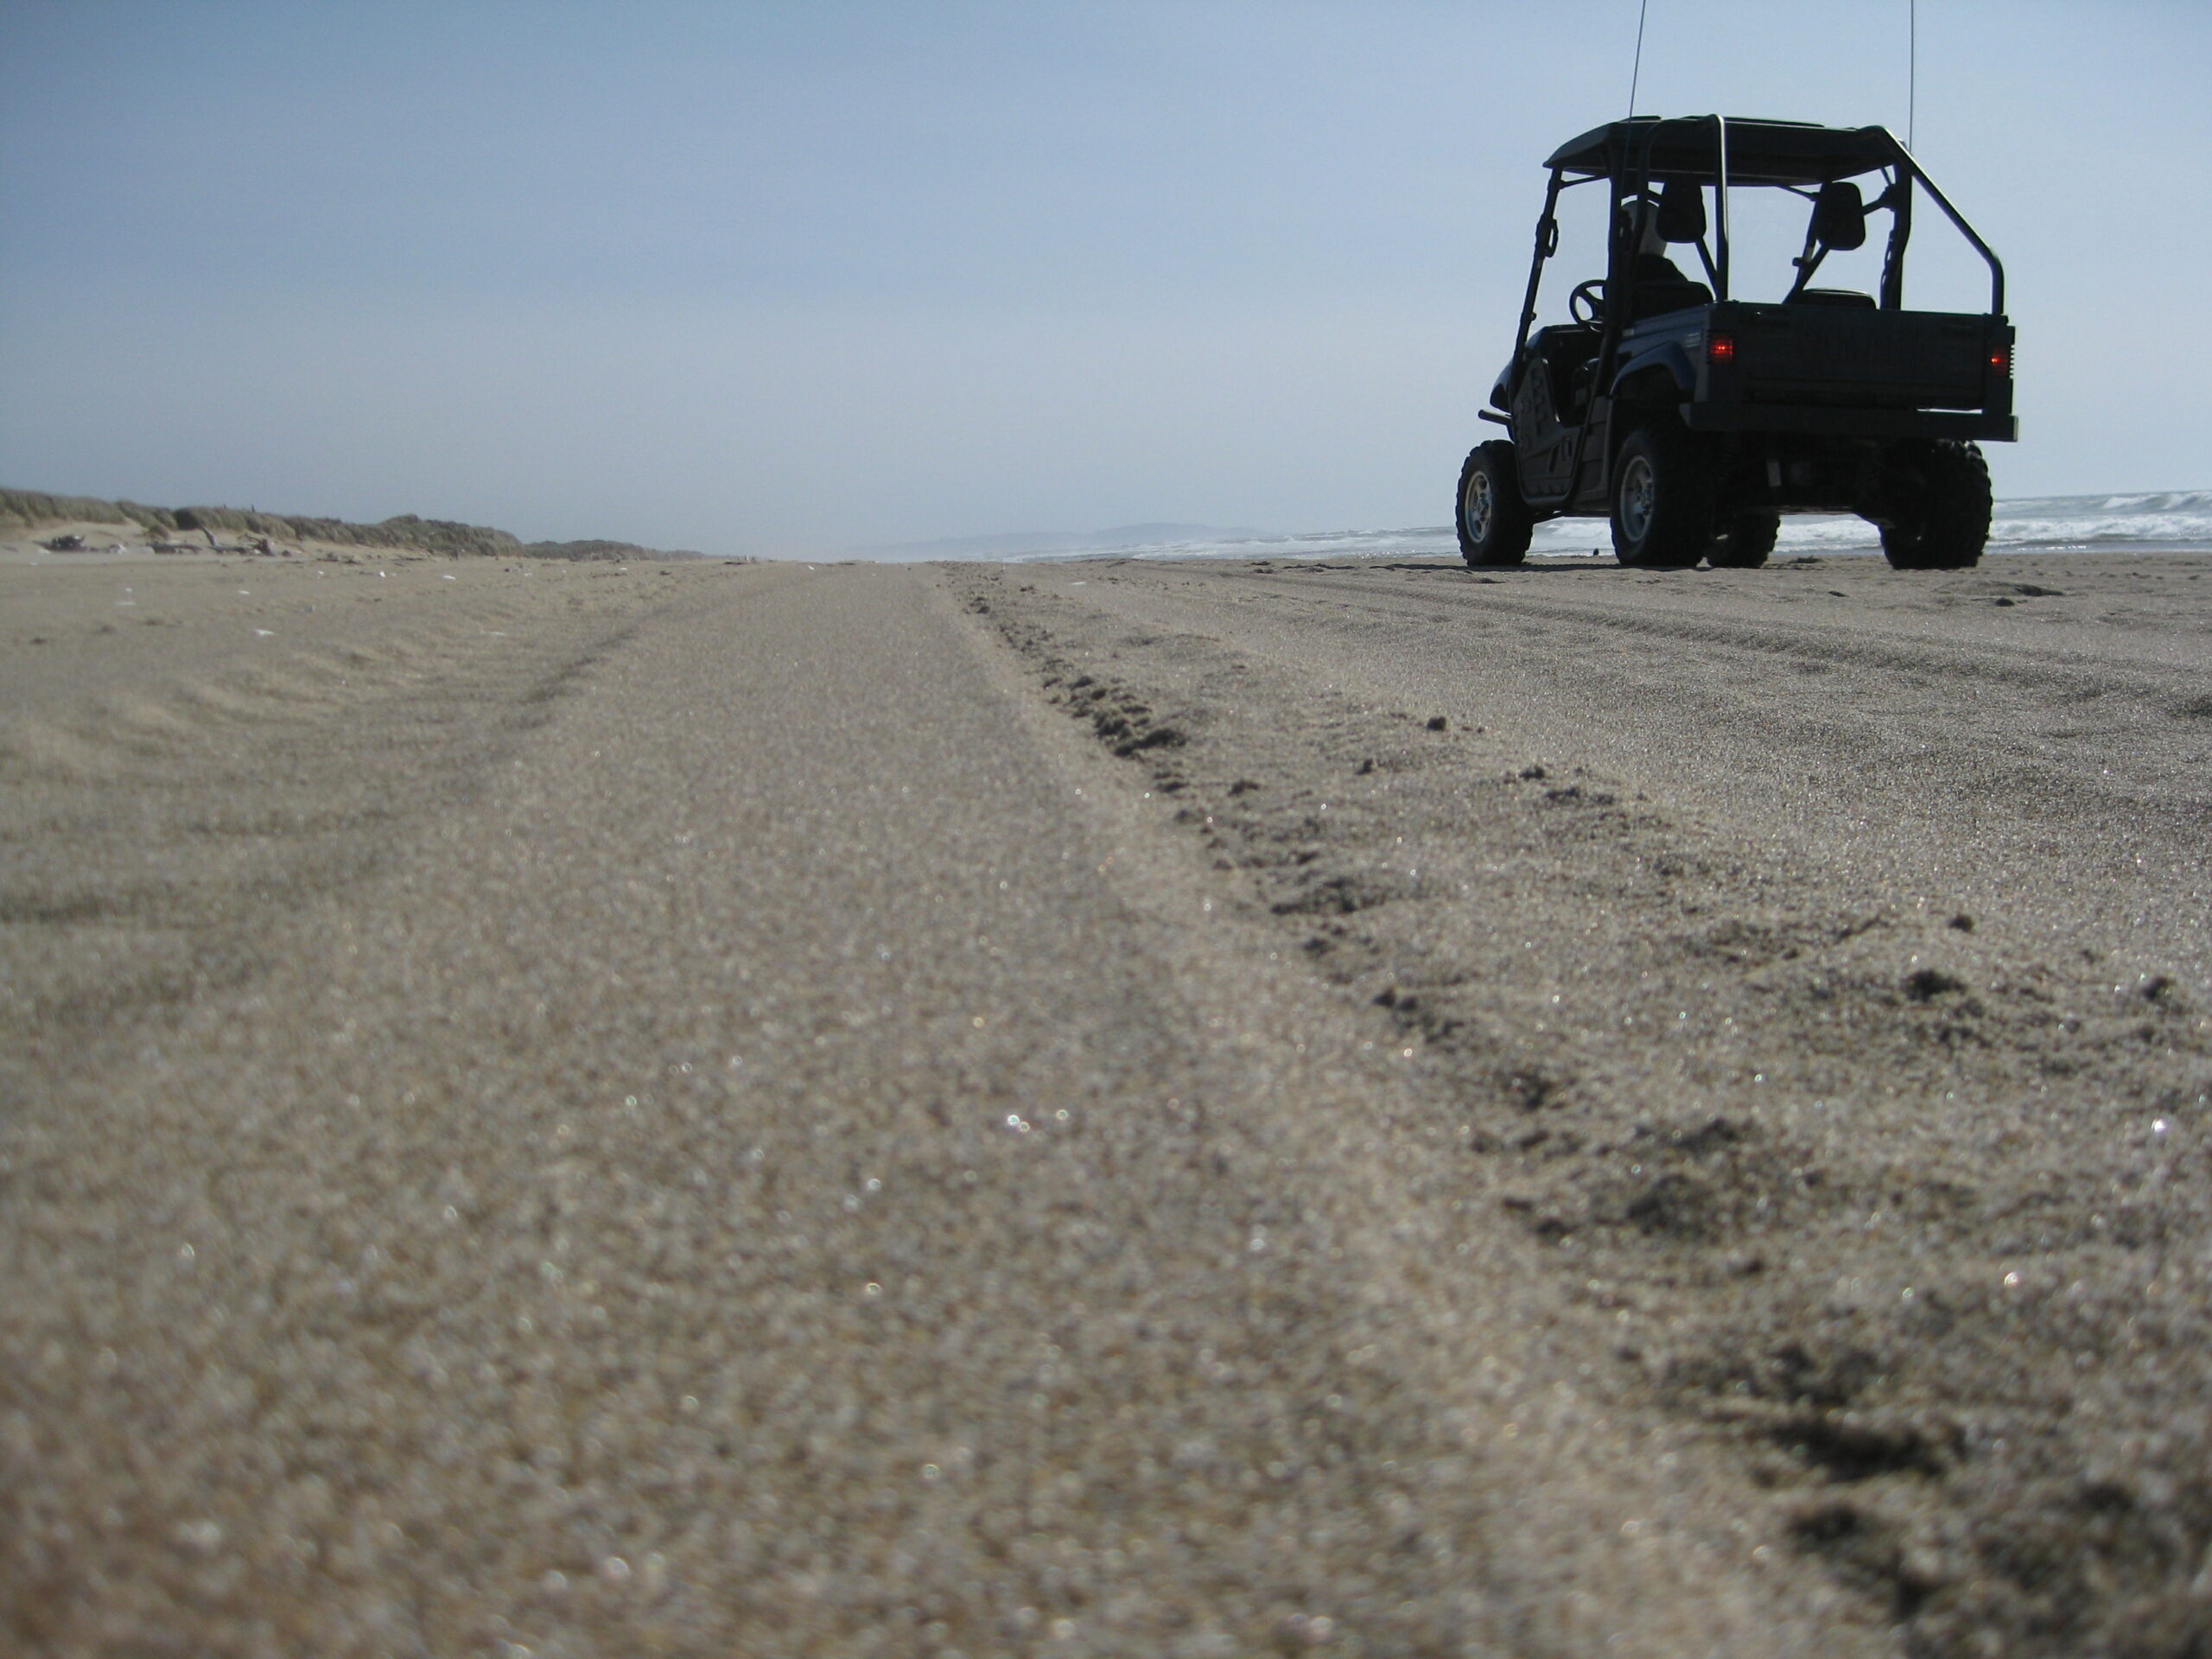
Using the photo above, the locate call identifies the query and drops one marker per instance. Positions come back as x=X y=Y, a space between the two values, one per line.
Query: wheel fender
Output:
x=1667 y=356
x=1501 y=392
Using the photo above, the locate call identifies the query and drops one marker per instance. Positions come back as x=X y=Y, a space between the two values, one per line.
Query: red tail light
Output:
x=1720 y=348
x=2000 y=359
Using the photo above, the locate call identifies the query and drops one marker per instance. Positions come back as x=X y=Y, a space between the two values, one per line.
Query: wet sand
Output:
x=1103 y=1108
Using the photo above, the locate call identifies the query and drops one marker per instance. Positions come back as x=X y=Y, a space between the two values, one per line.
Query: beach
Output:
x=1119 y=1107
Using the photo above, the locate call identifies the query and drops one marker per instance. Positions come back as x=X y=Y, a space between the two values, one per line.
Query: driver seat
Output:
x=1661 y=288
x=1657 y=299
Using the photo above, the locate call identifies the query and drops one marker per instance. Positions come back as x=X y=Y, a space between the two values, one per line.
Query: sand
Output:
x=1104 y=1108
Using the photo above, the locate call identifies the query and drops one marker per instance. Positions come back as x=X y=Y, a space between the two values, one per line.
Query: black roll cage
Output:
x=1788 y=154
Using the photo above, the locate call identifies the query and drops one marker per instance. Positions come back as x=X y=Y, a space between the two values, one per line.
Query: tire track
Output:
x=2065 y=676
x=1905 y=1207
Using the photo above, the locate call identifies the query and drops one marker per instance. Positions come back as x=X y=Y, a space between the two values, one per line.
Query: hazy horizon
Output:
x=755 y=279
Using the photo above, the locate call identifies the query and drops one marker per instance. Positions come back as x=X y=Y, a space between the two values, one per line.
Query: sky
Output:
x=796 y=277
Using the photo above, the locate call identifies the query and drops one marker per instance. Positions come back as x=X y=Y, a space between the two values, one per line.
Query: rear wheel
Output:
x=1494 y=522
x=1663 y=514
x=1944 y=524
x=1744 y=541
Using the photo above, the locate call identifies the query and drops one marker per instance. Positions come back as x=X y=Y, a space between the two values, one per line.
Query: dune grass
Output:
x=27 y=509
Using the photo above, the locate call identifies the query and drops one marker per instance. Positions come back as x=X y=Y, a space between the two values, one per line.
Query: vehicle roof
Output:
x=1760 y=151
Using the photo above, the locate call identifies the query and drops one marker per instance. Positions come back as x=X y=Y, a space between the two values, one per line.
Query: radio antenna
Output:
x=1911 y=72
x=1636 y=74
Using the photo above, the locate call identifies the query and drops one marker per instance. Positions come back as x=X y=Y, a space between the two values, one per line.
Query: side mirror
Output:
x=1840 y=216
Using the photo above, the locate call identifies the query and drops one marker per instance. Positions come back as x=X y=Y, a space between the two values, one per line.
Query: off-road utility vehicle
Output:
x=1694 y=420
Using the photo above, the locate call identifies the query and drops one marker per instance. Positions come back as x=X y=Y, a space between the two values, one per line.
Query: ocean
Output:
x=2169 y=518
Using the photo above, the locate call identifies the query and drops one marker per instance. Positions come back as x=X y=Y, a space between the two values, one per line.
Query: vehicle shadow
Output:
x=1579 y=567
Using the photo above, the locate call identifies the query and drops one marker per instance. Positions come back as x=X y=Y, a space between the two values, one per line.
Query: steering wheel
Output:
x=1587 y=304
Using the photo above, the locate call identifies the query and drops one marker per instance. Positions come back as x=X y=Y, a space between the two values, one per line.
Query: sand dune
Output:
x=1114 y=1107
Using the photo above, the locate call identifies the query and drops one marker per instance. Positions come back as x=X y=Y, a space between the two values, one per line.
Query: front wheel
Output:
x=1945 y=522
x=1494 y=522
x=1744 y=541
x=1663 y=514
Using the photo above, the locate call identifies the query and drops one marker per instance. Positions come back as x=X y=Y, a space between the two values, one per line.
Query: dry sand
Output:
x=693 y=1109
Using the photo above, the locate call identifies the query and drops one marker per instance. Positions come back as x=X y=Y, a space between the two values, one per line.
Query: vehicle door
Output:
x=1544 y=438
